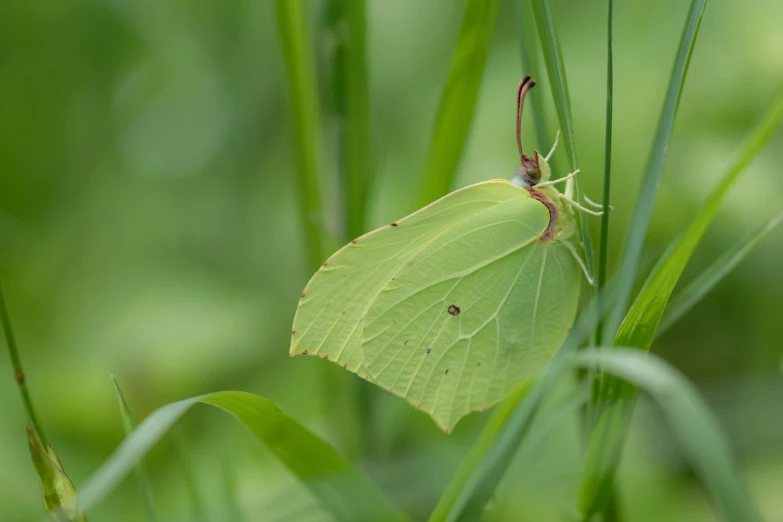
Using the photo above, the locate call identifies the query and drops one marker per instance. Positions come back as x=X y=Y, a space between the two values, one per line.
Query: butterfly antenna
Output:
x=524 y=86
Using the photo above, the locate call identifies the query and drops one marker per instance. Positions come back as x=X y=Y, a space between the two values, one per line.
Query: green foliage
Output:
x=142 y=476
x=688 y=297
x=305 y=121
x=342 y=489
x=697 y=429
x=615 y=398
x=346 y=29
x=649 y=187
x=458 y=99
x=59 y=495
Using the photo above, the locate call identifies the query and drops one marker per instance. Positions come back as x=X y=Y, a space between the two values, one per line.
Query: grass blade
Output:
x=16 y=363
x=477 y=453
x=343 y=490
x=687 y=298
x=142 y=477
x=555 y=68
x=690 y=418
x=649 y=186
x=615 y=398
x=305 y=120
x=458 y=100
x=346 y=27
x=603 y=248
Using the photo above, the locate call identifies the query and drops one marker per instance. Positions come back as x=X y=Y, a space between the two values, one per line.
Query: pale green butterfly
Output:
x=457 y=304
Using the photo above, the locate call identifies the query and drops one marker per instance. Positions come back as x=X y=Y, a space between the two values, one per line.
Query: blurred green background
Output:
x=148 y=229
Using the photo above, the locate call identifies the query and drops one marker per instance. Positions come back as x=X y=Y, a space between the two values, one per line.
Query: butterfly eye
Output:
x=533 y=172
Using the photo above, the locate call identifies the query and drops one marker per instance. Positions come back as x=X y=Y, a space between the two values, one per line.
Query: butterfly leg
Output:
x=579 y=260
x=594 y=204
x=554 y=146
x=547 y=183
x=578 y=206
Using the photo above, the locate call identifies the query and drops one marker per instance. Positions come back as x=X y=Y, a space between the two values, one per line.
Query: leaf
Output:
x=555 y=67
x=59 y=495
x=451 y=307
x=345 y=25
x=614 y=401
x=458 y=99
x=691 y=419
x=142 y=477
x=305 y=120
x=689 y=296
x=649 y=186
x=343 y=490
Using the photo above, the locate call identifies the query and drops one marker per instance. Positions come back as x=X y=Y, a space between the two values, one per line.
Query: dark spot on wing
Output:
x=405 y=343
x=447 y=371
x=429 y=350
x=454 y=310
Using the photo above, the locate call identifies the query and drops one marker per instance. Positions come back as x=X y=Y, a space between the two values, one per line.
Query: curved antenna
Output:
x=524 y=86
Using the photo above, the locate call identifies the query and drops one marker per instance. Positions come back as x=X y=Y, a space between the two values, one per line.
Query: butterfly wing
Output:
x=329 y=318
x=479 y=311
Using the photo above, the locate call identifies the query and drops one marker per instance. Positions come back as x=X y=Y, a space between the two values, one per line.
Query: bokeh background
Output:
x=149 y=229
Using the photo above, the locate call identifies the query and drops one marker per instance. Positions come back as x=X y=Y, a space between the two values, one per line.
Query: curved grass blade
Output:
x=555 y=68
x=691 y=419
x=345 y=24
x=649 y=186
x=689 y=296
x=142 y=477
x=342 y=490
x=615 y=399
x=305 y=120
x=458 y=100
x=59 y=495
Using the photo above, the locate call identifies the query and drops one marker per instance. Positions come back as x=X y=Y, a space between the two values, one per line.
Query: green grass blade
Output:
x=16 y=363
x=687 y=298
x=59 y=495
x=691 y=419
x=458 y=100
x=603 y=248
x=474 y=458
x=347 y=32
x=649 y=186
x=342 y=490
x=142 y=477
x=555 y=68
x=305 y=120
x=614 y=401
